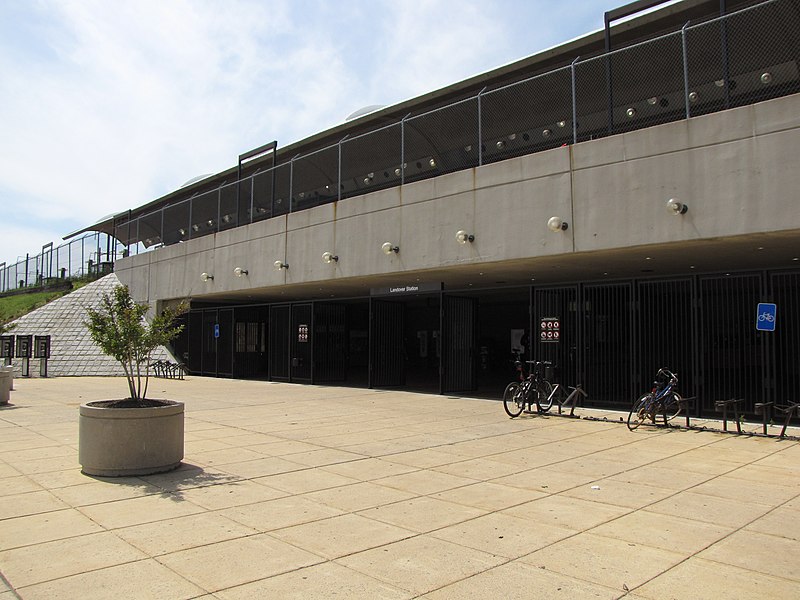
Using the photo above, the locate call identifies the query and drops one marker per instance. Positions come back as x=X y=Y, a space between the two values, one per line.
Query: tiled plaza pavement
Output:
x=308 y=492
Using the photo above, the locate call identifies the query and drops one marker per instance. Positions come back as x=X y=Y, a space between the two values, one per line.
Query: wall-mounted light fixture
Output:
x=329 y=257
x=206 y=276
x=462 y=237
x=239 y=271
x=676 y=207
x=631 y=112
x=389 y=248
x=279 y=264
x=766 y=78
x=556 y=224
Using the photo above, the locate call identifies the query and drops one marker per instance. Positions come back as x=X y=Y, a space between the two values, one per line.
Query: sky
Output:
x=106 y=105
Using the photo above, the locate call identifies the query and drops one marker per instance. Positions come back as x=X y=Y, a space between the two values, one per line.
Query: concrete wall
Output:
x=738 y=170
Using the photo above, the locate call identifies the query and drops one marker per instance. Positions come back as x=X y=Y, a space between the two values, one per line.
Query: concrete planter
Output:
x=117 y=442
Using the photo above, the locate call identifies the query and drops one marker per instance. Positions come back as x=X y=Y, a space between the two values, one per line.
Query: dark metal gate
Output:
x=459 y=342
x=557 y=306
x=330 y=342
x=301 y=343
x=608 y=342
x=387 y=358
x=279 y=342
x=785 y=355
x=194 y=345
x=250 y=342
x=666 y=323
x=732 y=357
x=225 y=343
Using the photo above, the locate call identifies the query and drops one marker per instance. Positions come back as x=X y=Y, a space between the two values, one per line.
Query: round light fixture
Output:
x=676 y=207
x=328 y=258
x=206 y=276
x=279 y=264
x=389 y=248
x=556 y=224
x=239 y=271
x=462 y=237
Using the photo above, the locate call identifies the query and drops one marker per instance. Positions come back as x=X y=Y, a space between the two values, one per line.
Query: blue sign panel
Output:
x=216 y=330
x=765 y=316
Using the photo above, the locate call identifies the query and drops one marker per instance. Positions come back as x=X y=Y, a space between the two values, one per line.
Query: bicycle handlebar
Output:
x=667 y=373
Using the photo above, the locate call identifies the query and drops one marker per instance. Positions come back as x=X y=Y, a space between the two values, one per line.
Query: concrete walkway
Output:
x=329 y=492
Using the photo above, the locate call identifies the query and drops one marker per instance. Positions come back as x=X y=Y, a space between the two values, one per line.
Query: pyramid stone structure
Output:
x=72 y=350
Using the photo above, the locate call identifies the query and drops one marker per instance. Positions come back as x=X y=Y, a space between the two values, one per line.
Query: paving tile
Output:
x=519 y=581
x=31 y=503
x=424 y=481
x=563 y=511
x=97 y=492
x=136 y=511
x=503 y=534
x=143 y=580
x=781 y=522
x=489 y=496
x=261 y=467
x=606 y=561
x=225 y=495
x=319 y=582
x=367 y=469
x=701 y=579
x=283 y=512
x=745 y=491
x=423 y=514
x=663 y=531
x=21 y=484
x=710 y=509
x=235 y=562
x=550 y=480
x=481 y=469
x=759 y=552
x=44 y=527
x=358 y=496
x=421 y=564
x=342 y=535
x=619 y=493
x=182 y=533
x=46 y=561
x=305 y=480
x=658 y=476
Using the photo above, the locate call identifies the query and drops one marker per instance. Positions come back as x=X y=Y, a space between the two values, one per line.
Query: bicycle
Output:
x=662 y=398
x=519 y=394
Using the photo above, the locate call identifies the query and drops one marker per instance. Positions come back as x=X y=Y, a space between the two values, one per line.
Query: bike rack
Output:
x=722 y=406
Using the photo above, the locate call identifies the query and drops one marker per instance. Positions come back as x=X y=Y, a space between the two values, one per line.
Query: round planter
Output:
x=116 y=442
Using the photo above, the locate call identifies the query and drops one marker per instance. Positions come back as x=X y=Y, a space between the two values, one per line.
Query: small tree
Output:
x=119 y=328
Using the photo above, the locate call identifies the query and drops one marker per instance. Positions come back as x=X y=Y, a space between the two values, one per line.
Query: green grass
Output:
x=13 y=307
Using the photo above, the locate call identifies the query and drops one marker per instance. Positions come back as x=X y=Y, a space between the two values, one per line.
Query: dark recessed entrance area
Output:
x=610 y=336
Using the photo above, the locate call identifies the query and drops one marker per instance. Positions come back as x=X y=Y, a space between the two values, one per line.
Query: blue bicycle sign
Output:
x=765 y=316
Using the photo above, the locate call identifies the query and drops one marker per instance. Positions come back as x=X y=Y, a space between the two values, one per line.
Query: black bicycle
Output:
x=529 y=390
x=661 y=399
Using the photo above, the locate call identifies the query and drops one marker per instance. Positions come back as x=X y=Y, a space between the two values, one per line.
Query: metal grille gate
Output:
x=459 y=343
x=387 y=353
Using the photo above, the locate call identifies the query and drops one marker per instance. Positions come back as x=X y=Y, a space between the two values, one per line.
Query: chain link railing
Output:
x=91 y=255
x=741 y=58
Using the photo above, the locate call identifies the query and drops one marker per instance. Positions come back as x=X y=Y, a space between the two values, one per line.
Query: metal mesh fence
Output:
x=90 y=255
x=741 y=58
x=372 y=161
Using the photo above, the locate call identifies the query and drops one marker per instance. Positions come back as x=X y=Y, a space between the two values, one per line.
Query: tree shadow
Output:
x=172 y=484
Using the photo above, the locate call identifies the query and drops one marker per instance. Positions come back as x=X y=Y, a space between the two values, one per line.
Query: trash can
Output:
x=5 y=385
x=10 y=370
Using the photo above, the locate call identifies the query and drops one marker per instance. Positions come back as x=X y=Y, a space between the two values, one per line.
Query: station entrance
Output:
x=611 y=337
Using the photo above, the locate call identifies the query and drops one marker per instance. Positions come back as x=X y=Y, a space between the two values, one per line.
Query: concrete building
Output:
x=625 y=201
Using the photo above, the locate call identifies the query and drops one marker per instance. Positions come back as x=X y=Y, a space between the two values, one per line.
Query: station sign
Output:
x=403 y=289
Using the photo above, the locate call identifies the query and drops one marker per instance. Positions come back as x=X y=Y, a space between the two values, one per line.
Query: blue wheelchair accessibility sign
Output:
x=765 y=316
x=216 y=330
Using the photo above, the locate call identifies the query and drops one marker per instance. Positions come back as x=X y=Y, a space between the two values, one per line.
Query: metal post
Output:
x=685 y=70
x=574 y=102
x=291 y=181
x=725 y=62
x=480 y=129
x=403 y=149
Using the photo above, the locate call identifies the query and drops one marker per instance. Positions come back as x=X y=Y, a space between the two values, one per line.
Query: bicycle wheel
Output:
x=672 y=405
x=544 y=395
x=642 y=409
x=513 y=399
